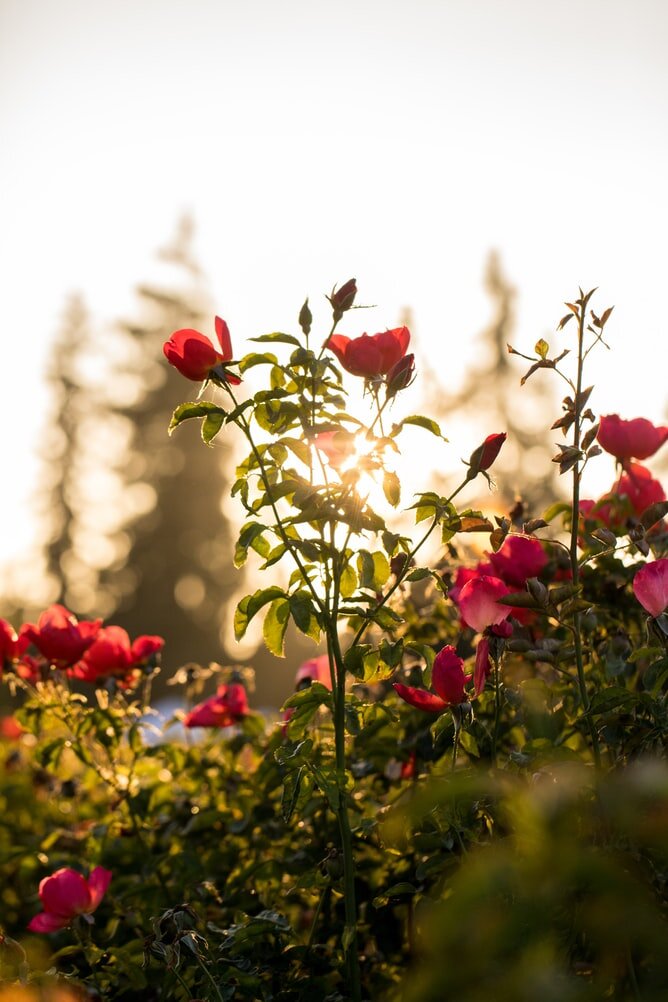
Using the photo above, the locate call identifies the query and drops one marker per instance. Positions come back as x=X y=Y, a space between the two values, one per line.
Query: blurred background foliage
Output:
x=133 y=524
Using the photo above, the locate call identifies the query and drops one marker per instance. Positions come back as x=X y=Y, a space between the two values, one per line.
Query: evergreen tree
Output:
x=175 y=577
x=492 y=399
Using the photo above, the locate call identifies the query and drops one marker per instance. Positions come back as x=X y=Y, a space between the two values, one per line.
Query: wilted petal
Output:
x=482 y=665
x=420 y=698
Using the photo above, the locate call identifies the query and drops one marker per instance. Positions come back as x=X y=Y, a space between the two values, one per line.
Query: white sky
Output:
x=394 y=141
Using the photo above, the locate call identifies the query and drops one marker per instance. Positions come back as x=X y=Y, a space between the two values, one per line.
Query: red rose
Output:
x=227 y=707
x=640 y=487
x=9 y=644
x=448 y=681
x=66 y=894
x=196 y=358
x=370 y=355
x=636 y=439
x=520 y=558
x=111 y=654
x=60 y=637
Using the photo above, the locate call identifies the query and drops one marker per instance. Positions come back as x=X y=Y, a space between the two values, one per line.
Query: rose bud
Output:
x=482 y=458
x=342 y=299
x=400 y=375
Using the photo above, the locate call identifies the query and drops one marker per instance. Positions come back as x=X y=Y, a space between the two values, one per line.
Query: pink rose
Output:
x=66 y=894
x=650 y=586
x=478 y=602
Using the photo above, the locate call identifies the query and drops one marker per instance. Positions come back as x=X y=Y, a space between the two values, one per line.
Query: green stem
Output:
x=497 y=709
x=318 y=909
x=575 y=522
x=400 y=577
x=349 y=899
x=455 y=745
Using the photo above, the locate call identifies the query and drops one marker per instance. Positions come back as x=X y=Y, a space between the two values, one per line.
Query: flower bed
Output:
x=465 y=795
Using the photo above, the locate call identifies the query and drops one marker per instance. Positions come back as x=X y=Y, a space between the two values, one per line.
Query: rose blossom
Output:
x=520 y=558
x=66 y=894
x=314 y=670
x=640 y=487
x=227 y=707
x=196 y=358
x=111 y=654
x=370 y=355
x=635 y=439
x=478 y=602
x=60 y=637
x=448 y=681
x=650 y=586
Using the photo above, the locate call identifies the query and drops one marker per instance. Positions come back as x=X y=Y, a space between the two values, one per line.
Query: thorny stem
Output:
x=400 y=577
x=337 y=668
x=316 y=916
x=497 y=707
x=245 y=427
x=575 y=522
x=455 y=744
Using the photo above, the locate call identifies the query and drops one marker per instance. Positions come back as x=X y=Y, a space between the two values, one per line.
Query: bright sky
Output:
x=394 y=141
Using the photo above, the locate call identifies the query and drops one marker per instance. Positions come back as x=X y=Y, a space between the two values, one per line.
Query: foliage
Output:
x=508 y=839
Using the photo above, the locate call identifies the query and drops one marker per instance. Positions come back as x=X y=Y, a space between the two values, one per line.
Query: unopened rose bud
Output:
x=482 y=458
x=400 y=375
x=342 y=299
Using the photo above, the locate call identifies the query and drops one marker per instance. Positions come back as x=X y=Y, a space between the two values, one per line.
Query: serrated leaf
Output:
x=558 y=508
x=275 y=625
x=419 y=421
x=347 y=582
x=392 y=488
x=277 y=336
x=250 y=605
x=304 y=615
x=257 y=358
x=211 y=425
x=653 y=514
x=195 y=409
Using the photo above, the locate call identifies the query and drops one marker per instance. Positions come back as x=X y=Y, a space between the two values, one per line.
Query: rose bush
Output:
x=465 y=792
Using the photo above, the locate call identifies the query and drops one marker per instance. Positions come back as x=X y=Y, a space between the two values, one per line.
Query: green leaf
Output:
x=277 y=336
x=421 y=422
x=392 y=488
x=211 y=425
x=251 y=535
x=299 y=448
x=275 y=624
x=250 y=605
x=249 y=361
x=558 y=508
x=347 y=582
x=304 y=614
x=195 y=409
